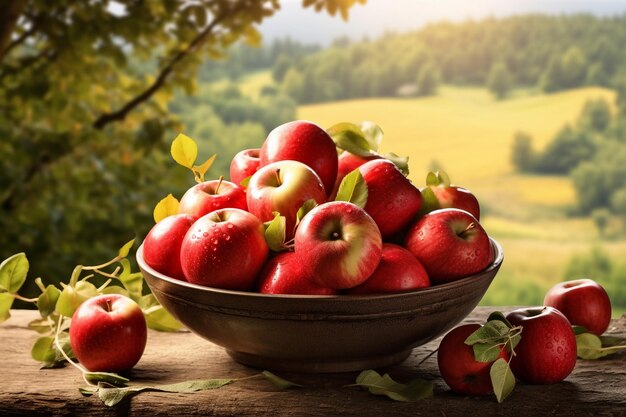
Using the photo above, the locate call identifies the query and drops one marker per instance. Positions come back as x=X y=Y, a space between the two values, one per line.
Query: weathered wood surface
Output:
x=595 y=388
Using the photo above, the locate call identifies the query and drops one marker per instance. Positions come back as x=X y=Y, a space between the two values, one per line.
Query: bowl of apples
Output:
x=320 y=262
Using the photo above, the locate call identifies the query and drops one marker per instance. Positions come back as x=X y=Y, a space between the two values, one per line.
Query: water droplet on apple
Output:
x=227 y=237
x=549 y=345
x=215 y=241
x=193 y=236
x=559 y=349
x=214 y=250
x=205 y=234
x=229 y=225
x=214 y=224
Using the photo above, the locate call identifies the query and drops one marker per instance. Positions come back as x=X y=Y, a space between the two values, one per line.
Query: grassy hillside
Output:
x=469 y=134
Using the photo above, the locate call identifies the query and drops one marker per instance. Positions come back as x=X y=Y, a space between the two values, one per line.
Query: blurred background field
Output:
x=525 y=106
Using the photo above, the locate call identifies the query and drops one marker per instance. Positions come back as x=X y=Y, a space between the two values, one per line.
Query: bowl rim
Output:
x=496 y=248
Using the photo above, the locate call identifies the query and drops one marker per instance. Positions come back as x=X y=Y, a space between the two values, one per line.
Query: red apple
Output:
x=108 y=333
x=224 y=249
x=283 y=186
x=547 y=352
x=347 y=163
x=286 y=274
x=459 y=369
x=451 y=196
x=392 y=201
x=339 y=243
x=397 y=271
x=450 y=243
x=212 y=195
x=161 y=247
x=584 y=302
x=305 y=142
x=244 y=164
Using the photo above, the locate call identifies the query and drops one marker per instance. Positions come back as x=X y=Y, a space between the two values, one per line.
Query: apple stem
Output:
x=218 y=185
x=278 y=180
x=469 y=227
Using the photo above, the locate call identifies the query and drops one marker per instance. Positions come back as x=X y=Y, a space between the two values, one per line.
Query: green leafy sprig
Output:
x=57 y=305
x=363 y=139
x=487 y=343
x=377 y=384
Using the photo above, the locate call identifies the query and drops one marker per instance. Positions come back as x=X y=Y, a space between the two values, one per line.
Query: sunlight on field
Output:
x=464 y=130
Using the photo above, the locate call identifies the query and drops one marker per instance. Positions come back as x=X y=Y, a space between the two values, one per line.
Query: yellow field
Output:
x=469 y=134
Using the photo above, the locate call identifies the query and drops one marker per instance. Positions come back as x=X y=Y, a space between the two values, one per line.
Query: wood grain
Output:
x=595 y=388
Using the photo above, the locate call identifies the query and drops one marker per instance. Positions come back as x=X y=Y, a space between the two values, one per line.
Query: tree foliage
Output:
x=84 y=118
x=499 y=80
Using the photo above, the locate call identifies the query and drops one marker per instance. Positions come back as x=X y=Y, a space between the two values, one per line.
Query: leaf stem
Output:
x=28 y=300
x=65 y=355
x=426 y=357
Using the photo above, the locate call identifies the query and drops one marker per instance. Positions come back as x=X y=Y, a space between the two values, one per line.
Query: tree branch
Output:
x=160 y=80
x=17 y=42
x=8 y=19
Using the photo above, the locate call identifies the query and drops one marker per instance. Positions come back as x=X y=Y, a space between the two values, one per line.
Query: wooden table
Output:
x=595 y=388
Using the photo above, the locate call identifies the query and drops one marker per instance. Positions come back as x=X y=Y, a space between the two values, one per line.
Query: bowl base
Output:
x=318 y=366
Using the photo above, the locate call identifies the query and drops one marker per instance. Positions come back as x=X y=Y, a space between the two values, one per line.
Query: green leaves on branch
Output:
x=363 y=139
x=55 y=304
x=487 y=343
x=275 y=232
x=414 y=390
x=184 y=150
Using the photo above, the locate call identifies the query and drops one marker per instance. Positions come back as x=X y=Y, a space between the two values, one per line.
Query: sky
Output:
x=378 y=16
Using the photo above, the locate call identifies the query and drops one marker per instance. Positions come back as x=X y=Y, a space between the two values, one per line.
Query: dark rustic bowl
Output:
x=307 y=333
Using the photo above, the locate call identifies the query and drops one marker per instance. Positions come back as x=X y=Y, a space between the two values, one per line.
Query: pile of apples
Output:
x=300 y=216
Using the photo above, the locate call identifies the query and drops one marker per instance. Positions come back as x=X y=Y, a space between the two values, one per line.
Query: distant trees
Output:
x=522 y=154
x=427 y=80
x=499 y=80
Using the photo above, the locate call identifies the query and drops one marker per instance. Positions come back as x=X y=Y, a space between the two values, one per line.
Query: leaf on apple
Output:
x=168 y=206
x=402 y=162
x=429 y=201
x=372 y=133
x=437 y=179
x=275 y=232
x=308 y=205
x=244 y=182
x=350 y=137
x=184 y=150
x=353 y=189
x=502 y=379
x=414 y=390
x=13 y=271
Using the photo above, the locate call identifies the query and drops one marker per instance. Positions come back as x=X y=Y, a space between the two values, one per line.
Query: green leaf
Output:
x=109 y=378
x=47 y=301
x=306 y=207
x=437 y=179
x=402 y=162
x=6 y=301
x=414 y=390
x=168 y=206
x=372 y=133
x=157 y=317
x=278 y=381
x=41 y=325
x=112 y=396
x=429 y=201
x=486 y=352
x=502 y=379
x=579 y=329
x=349 y=137
x=609 y=341
x=275 y=232
x=353 y=189
x=184 y=150
x=43 y=350
x=133 y=282
x=202 y=169
x=72 y=297
x=498 y=315
x=13 y=271
x=124 y=250
x=244 y=182
x=115 y=289
x=491 y=332
x=589 y=346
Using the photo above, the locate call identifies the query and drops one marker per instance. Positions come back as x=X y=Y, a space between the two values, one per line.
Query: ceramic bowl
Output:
x=306 y=333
